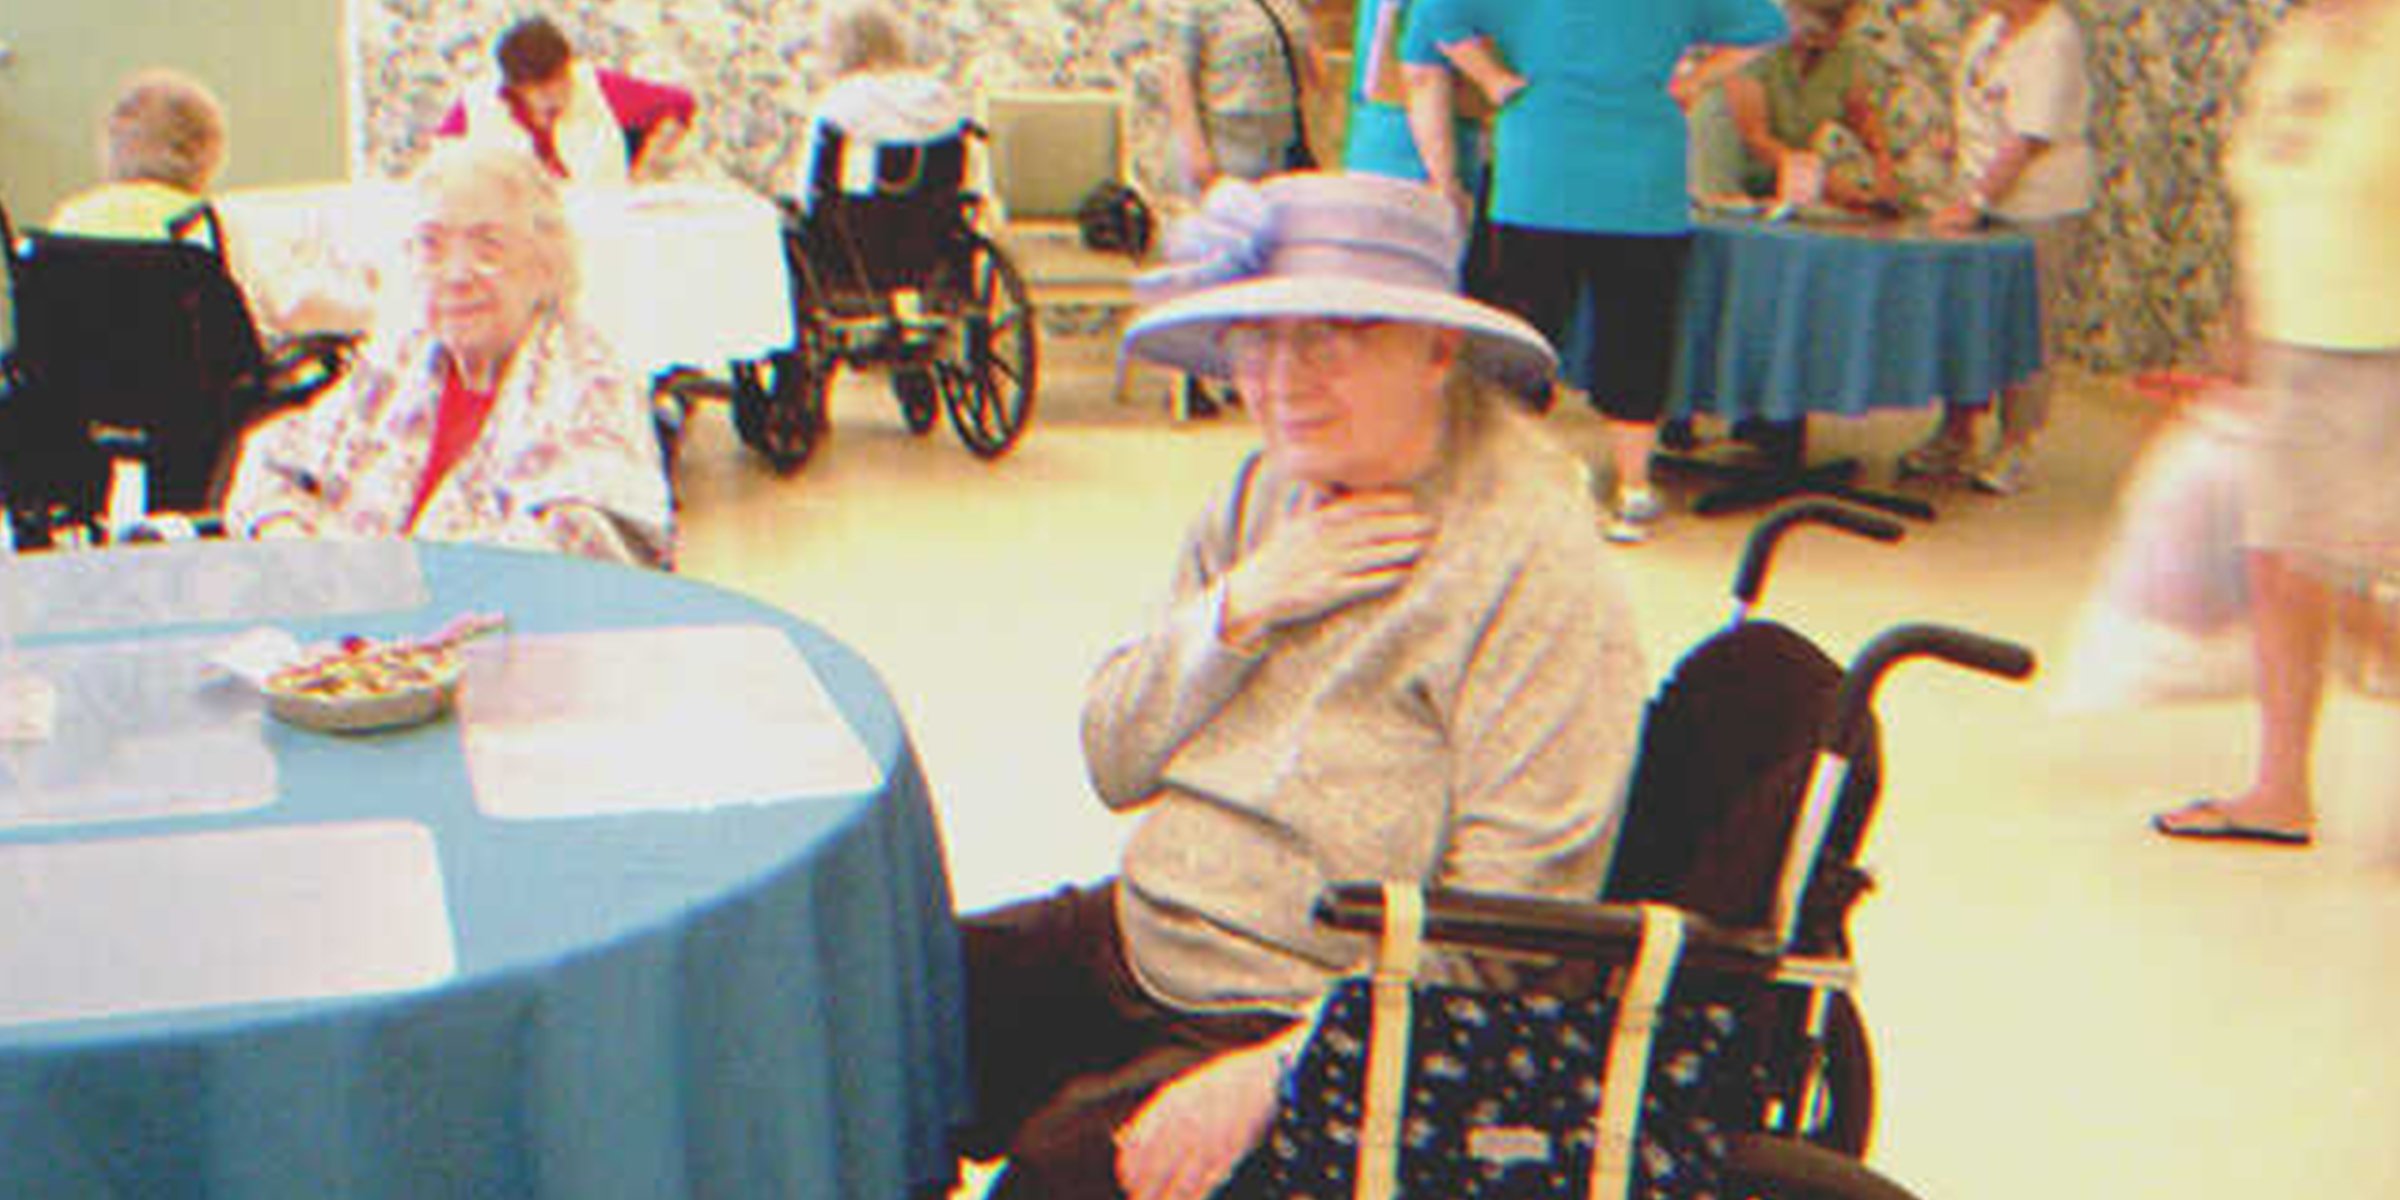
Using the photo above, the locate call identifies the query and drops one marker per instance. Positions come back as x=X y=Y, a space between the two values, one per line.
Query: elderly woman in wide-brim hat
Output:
x=487 y=410
x=1393 y=649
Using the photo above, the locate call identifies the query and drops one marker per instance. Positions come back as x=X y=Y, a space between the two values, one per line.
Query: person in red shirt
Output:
x=589 y=124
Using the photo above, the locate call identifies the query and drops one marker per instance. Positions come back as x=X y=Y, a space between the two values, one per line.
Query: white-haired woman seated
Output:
x=493 y=415
x=880 y=96
x=1394 y=649
x=160 y=149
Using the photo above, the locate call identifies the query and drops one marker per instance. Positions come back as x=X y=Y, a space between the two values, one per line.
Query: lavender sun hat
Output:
x=1321 y=244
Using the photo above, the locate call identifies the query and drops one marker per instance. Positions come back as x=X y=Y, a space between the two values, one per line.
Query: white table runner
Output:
x=145 y=925
x=652 y=720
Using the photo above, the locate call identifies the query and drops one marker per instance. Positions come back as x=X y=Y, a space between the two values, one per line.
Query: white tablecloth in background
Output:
x=677 y=275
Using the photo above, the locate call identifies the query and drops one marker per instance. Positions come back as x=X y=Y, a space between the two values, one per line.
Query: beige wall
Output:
x=276 y=63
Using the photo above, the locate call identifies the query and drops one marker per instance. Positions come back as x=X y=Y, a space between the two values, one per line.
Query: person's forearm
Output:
x=1185 y=123
x=1746 y=103
x=1154 y=692
x=659 y=147
x=1709 y=68
x=2000 y=177
x=1483 y=68
x=1431 y=125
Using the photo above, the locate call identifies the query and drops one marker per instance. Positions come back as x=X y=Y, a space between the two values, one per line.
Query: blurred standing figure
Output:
x=1589 y=196
x=589 y=124
x=2021 y=116
x=1238 y=77
x=2315 y=166
x=160 y=149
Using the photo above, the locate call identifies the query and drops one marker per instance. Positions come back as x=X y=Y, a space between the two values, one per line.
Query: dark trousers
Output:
x=1065 y=1046
x=1634 y=285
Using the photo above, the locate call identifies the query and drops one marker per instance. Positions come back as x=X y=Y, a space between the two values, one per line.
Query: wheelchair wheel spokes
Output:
x=990 y=391
x=780 y=411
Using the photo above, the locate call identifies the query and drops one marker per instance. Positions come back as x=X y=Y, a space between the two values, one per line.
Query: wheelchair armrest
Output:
x=1573 y=929
x=299 y=367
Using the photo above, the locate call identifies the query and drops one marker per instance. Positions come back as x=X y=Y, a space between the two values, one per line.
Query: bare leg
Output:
x=1629 y=446
x=2291 y=617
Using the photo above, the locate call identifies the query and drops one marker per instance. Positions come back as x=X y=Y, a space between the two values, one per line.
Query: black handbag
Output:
x=1297 y=156
x=1424 y=1091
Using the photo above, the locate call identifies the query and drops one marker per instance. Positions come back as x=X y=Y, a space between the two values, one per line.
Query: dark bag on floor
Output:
x=1115 y=219
x=1494 y=1095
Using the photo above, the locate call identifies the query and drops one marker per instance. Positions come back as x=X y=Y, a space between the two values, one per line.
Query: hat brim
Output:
x=1183 y=332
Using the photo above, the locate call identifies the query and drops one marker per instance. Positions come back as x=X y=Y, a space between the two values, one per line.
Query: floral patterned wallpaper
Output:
x=2166 y=76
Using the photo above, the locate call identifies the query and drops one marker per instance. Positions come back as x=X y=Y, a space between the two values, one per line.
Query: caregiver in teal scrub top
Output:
x=1589 y=198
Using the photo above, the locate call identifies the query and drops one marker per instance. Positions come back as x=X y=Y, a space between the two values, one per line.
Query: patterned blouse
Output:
x=568 y=459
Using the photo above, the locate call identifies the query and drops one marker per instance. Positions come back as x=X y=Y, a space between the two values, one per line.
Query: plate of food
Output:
x=362 y=685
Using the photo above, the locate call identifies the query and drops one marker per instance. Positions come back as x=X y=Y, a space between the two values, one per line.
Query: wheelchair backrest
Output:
x=149 y=337
x=896 y=235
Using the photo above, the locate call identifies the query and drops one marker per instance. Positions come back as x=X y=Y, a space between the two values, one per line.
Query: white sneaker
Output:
x=1939 y=456
x=1640 y=505
x=2008 y=471
x=1633 y=515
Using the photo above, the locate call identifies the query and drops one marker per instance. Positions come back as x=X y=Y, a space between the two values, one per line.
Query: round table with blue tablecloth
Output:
x=1785 y=319
x=660 y=911
x=1782 y=319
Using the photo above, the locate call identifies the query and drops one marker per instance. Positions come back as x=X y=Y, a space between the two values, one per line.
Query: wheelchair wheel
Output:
x=1759 y=1167
x=781 y=413
x=1844 y=1115
x=919 y=396
x=990 y=391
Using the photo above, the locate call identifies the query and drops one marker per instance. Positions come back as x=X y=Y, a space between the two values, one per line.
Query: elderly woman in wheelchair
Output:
x=491 y=414
x=160 y=149
x=1394 y=648
x=888 y=266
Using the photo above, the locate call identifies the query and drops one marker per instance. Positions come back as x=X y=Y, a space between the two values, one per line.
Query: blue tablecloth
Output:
x=1784 y=319
x=759 y=1000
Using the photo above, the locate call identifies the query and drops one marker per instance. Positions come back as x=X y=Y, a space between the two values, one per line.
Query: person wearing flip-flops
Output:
x=2315 y=167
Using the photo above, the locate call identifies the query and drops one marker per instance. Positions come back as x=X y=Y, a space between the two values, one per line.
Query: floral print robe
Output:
x=568 y=458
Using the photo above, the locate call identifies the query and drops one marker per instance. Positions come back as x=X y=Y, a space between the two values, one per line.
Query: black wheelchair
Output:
x=898 y=278
x=135 y=371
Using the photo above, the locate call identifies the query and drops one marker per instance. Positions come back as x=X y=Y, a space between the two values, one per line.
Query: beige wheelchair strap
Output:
x=1628 y=1067
x=1396 y=960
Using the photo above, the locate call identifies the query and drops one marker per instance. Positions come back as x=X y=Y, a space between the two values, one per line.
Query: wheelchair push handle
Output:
x=1570 y=929
x=1751 y=578
x=1854 y=702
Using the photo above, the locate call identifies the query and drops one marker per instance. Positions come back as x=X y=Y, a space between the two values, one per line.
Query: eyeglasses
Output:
x=486 y=249
x=1316 y=342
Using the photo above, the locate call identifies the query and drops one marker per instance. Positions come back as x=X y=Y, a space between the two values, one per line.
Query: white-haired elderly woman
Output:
x=880 y=95
x=493 y=414
x=160 y=150
x=1394 y=648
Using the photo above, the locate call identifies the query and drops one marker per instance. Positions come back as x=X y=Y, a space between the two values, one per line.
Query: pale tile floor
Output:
x=2062 y=1004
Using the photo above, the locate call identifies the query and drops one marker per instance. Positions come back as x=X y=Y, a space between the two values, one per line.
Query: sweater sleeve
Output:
x=1545 y=722
x=1155 y=690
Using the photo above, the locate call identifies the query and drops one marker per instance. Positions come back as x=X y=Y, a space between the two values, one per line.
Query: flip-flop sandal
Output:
x=2205 y=820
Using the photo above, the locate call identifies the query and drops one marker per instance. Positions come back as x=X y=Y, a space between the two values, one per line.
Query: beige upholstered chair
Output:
x=1047 y=150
